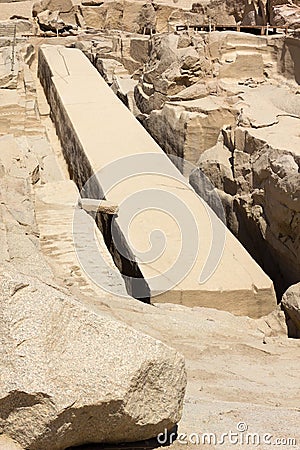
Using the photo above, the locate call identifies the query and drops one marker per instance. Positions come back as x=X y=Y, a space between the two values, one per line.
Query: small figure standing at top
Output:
x=242 y=119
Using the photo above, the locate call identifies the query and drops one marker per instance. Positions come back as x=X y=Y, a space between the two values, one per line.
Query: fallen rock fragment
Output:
x=70 y=376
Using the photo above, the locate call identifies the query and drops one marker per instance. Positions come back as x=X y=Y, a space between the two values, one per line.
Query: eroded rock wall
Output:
x=185 y=87
x=195 y=86
x=161 y=16
x=259 y=185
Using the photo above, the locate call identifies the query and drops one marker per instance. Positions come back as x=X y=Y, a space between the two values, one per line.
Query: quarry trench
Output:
x=273 y=261
x=261 y=253
x=258 y=295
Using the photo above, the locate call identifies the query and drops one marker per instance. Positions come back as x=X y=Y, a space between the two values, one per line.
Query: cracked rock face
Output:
x=70 y=376
x=284 y=13
x=259 y=182
x=195 y=86
x=159 y=16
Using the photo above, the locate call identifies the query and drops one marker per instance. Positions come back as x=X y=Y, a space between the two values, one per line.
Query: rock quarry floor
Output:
x=240 y=371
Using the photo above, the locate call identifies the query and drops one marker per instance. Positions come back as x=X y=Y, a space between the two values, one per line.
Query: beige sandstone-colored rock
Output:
x=219 y=156
x=291 y=305
x=239 y=94
x=64 y=6
x=89 y=204
x=193 y=92
x=190 y=127
x=160 y=16
x=124 y=87
x=264 y=181
x=70 y=376
x=50 y=21
x=280 y=10
x=8 y=70
x=287 y=15
x=21 y=25
x=16 y=8
x=132 y=16
x=94 y=17
x=91 y=2
x=108 y=68
x=19 y=233
x=246 y=64
x=235 y=365
x=55 y=15
x=225 y=288
x=8 y=444
x=172 y=67
x=176 y=69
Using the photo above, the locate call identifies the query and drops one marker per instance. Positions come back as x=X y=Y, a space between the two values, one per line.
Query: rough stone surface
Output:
x=282 y=12
x=173 y=93
x=108 y=68
x=262 y=178
x=223 y=288
x=287 y=15
x=235 y=365
x=257 y=103
x=188 y=128
x=56 y=15
x=163 y=15
x=70 y=376
x=220 y=349
x=8 y=73
x=291 y=305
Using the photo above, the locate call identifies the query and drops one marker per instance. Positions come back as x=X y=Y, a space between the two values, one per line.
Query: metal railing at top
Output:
x=264 y=29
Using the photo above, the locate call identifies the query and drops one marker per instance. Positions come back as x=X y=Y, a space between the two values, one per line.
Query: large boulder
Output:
x=52 y=5
x=176 y=62
x=132 y=16
x=50 y=21
x=56 y=14
x=276 y=7
x=287 y=15
x=291 y=305
x=70 y=376
x=228 y=12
